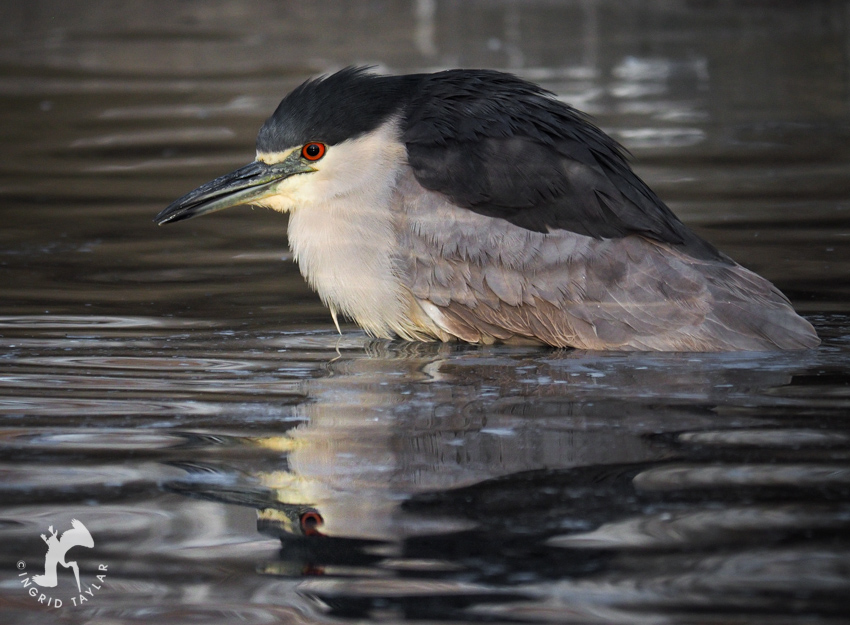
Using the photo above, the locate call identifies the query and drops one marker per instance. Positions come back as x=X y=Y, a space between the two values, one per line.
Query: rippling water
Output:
x=181 y=392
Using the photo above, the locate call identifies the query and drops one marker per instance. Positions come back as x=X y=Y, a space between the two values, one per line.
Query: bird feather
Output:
x=574 y=290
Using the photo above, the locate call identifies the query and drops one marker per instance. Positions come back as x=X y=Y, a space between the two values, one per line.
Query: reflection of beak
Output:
x=246 y=185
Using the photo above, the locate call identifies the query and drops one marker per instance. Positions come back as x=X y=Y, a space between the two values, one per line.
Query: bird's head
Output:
x=321 y=142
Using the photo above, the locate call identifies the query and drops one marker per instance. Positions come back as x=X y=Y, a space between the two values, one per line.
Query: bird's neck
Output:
x=346 y=247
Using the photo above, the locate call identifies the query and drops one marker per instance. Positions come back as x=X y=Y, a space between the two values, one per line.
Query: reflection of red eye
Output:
x=310 y=522
x=313 y=151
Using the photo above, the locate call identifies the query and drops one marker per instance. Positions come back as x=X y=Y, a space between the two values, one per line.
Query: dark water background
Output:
x=182 y=393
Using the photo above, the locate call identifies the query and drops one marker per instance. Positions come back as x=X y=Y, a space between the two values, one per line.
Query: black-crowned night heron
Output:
x=471 y=205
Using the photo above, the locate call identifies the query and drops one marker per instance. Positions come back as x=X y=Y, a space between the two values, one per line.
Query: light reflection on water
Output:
x=449 y=482
x=181 y=391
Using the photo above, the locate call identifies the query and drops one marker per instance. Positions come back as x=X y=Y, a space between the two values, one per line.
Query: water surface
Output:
x=182 y=393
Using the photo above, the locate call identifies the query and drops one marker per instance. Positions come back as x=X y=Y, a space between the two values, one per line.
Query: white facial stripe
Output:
x=273 y=158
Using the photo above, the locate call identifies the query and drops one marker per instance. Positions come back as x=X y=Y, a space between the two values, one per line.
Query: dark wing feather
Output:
x=506 y=148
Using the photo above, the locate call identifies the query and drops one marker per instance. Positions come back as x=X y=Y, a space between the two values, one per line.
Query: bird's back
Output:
x=532 y=225
x=505 y=148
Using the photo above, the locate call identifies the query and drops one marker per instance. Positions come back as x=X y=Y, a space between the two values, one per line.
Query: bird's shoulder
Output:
x=504 y=147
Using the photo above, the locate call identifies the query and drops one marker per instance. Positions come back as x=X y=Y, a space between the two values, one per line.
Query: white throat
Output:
x=342 y=231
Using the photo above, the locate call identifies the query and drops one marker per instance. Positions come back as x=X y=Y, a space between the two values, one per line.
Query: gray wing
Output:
x=482 y=279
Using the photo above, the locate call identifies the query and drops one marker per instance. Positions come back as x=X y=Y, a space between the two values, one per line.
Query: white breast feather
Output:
x=342 y=231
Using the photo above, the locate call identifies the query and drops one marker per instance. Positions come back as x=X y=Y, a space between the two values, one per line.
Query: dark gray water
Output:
x=183 y=394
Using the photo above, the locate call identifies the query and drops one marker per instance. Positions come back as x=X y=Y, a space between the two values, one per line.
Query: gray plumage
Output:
x=493 y=281
x=473 y=205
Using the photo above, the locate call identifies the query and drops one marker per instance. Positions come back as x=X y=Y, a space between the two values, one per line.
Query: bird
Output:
x=472 y=205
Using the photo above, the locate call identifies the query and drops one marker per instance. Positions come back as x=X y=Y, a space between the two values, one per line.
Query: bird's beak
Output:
x=246 y=185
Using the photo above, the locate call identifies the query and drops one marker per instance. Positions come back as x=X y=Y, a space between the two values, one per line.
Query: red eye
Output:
x=310 y=522
x=313 y=151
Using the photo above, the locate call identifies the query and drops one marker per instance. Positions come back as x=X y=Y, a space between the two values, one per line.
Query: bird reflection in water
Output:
x=517 y=476
x=453 y=419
